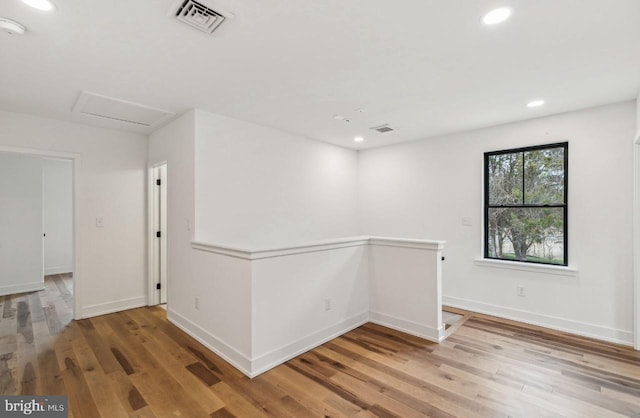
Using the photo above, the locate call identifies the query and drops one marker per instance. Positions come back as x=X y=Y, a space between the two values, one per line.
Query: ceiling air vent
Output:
x=198 y=15
x=383 y=128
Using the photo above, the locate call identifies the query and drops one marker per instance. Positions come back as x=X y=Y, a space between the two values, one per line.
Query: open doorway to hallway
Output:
x=36 y=231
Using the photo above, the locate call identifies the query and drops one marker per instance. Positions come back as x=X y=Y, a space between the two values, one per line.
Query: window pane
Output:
x=526 y=234
x=505 y=179
x=544 y=176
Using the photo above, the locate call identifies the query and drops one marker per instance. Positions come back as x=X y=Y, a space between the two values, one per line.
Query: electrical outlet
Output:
x=467 y=221
x=99 y=222
x=327 y=304
x=520 y=291
x=196 y=302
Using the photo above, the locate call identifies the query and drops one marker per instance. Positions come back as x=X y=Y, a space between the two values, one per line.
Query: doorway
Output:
x=158 y=217
x=57 y=215
x=636 y=243
x=37 y=232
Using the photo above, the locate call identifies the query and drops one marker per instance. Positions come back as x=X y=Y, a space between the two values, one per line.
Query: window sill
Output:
x=533 y=268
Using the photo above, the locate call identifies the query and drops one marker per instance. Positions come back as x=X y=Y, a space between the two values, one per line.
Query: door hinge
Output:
x=158 y=182
x=158 y=286
x=158 y=234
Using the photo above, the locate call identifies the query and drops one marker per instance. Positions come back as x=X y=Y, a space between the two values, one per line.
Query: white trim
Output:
x=403 y=325
x=419 y=244
x=239 y=360
x=636 y=240
x=599 y=332
x=58 y=270
x=151 y=293
x=43 y=153
x=253 y=254
x=267 y=361
x=309 y=248
x=530 y=267
x=257 y=254
x=222 y=249
x=21 y=288
x=115 y=306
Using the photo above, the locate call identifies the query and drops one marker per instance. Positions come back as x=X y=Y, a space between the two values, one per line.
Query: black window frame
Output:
x=565 y=205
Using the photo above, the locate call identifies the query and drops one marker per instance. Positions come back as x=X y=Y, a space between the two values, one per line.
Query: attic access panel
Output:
x=96 y=105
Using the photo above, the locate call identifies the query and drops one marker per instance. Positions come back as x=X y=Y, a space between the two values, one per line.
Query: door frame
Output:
x=75 y=173
x=636 y=243
x=153 y=296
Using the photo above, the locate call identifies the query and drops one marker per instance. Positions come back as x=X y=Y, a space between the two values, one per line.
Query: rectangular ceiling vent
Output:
x=383 y=129
x=198 y=15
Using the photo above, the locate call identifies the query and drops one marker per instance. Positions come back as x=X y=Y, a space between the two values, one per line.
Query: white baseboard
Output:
x=21 y=288
x=410 y=327
x=281 y=355
x=213 y=343
x=57 y=270
x=599 y=332
x=110 y=307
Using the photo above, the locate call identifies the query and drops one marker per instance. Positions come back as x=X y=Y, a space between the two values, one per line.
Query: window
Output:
x=525 y=204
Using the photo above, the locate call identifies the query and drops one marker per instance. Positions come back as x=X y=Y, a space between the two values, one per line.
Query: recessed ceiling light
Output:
x=45 y=5
x=535 y=103
x=11 y=26
x=358 y=139
x=495 y=16
x=338 y=117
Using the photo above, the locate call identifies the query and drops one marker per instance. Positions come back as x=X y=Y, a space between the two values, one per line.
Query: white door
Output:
x=160 y=231
x=21 y=234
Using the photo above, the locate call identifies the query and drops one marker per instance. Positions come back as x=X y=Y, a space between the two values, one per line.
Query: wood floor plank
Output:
x=80 y=398
x=198 y=379
x=161 y=391
x=236 y=403
x=319 y=400
x=104 y=397
x=51 y=382
x=108 y=360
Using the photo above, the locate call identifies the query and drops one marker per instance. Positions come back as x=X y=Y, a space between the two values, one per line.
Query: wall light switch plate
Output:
x=467 y=221
x=99 y=222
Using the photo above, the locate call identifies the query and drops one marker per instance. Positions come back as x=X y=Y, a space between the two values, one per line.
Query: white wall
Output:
x=405 y=287
x=425 y=188
x=57 y=183
x=110 y=176
x=222 y=319
x=254 y=186
x=173 y=144
x=259 y=187
x=20 y=223
x=302 y=296
x=289 y=315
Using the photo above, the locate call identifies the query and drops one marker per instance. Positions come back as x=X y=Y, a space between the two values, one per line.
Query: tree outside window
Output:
x=526 y=204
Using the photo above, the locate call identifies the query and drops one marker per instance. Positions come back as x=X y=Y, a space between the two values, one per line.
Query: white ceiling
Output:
x=426 y=67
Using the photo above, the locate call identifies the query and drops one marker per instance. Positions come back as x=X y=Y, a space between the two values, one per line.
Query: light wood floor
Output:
x=135 y=363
